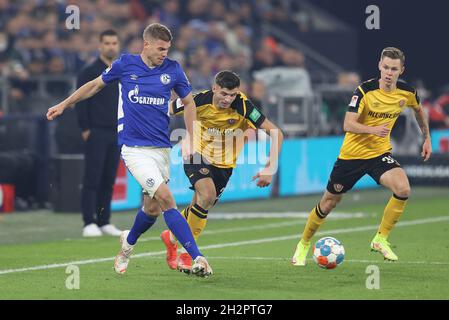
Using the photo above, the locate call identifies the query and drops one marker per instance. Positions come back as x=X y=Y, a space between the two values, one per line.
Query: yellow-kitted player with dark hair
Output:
x=372 y=112
x=223 y=116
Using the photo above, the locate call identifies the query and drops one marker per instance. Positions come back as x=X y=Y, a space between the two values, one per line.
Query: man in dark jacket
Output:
x=97 y=118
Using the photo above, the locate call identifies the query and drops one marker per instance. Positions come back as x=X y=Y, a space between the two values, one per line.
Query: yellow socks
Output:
x=185 y=212
x=315 y=220
x=392 y=212
x=197 y=219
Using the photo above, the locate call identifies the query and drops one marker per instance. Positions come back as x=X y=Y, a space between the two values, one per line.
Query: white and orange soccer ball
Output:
x=328 y=253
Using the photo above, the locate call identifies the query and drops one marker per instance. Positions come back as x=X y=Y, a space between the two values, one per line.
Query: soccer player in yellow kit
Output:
x=223 y=116
x=372 y=112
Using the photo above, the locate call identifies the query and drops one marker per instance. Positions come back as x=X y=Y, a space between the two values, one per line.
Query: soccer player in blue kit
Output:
x=146 y=81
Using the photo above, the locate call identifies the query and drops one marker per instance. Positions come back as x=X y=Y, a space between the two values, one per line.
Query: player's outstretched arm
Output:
x=84 y=92
x=352 y=125
x=421 y=118
x=277 y=137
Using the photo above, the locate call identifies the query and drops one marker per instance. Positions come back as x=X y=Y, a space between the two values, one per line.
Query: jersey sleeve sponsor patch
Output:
x=255 y=115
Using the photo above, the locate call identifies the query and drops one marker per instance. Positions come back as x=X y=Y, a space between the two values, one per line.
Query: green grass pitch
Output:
x=250 y=257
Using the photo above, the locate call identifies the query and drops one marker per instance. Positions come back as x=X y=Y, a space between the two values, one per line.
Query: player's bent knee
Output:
x=327 y=207
x=166 y=201
x=206 y=199
x=403 y=191
x=164 y=198
x=206 y=202
x=154 y=214
x=329 y=204
x=152 y=211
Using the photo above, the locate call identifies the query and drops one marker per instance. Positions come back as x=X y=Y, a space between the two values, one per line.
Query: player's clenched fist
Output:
x=55 y=111
x=382 y=130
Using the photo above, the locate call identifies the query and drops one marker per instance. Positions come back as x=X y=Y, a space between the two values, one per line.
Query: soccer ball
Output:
x=328 y=253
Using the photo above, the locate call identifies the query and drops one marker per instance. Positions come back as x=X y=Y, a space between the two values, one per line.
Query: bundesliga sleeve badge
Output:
x=354 y=100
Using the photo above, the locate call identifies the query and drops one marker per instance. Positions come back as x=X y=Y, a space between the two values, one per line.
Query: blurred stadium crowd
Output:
x=40 y=58
x=208 y=36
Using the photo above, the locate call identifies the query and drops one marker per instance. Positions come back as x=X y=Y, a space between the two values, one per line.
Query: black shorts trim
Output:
x=346 y=173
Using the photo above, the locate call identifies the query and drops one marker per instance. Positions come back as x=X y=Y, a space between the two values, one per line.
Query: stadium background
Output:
x=299 y=61
x=321 y=50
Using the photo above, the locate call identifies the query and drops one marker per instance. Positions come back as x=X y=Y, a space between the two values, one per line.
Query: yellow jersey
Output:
x=376 y=107
x=219 y=133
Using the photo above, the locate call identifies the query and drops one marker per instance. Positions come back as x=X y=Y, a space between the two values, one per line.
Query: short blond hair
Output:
x=393 y=53
x=157 y=31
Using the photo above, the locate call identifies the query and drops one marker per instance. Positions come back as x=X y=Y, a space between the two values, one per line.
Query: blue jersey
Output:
x=144 y=94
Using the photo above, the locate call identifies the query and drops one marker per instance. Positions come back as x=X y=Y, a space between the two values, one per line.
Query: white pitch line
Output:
x=231 y=244
x=80 y=262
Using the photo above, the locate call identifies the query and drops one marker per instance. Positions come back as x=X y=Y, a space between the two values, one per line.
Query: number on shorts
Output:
x=388 y=159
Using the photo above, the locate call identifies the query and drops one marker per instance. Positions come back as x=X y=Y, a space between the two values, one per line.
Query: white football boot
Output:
x=201 y=267
x=122 y=258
